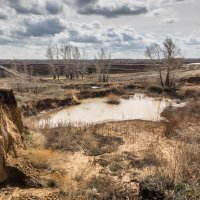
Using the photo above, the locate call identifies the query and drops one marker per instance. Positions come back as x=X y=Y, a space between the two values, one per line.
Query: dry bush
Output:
x=134 y=86
x=104 y=187
x=177 y=116
x=72 y=93
x=113 y=99
x=155 y=89
x=155 y=187
x=186 y=190
x=25 y=85
x=159 y=186
x=126 y=96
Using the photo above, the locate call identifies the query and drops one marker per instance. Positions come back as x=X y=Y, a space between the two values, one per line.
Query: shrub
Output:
x=156 y=89
x=185 y=190
x=162 y=187
x=155 y=187
x=113 y=99
x=102 y=187
x=125 y=96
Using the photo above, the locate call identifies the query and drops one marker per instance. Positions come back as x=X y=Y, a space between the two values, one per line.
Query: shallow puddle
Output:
x=96 y=110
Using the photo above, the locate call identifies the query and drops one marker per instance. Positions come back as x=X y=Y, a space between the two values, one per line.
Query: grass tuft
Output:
x=113 y=99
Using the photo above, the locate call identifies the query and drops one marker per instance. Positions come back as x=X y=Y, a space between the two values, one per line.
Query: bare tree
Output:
x=57 y=63
x=50 y=54
x=103 y=64
x=66 y=53
x=82 y=64
x=167 y=58
x=73 y=60
x=15 y=66
x=76 y=60
x=79 y=62
x=25 y=68
x=27 y=71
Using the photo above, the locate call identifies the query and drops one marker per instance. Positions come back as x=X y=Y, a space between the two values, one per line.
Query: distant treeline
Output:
x=90 y=61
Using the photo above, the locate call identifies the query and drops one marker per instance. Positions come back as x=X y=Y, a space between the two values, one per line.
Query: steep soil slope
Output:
x=11 y=145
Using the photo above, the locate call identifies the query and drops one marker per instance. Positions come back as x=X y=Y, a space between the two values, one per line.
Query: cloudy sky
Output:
x=125 y=27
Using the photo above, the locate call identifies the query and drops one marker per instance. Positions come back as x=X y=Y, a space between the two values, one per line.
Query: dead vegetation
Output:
x=113 y=99
x=182 y=180
x=67 y=137
x=136 y=159
x=115 y=160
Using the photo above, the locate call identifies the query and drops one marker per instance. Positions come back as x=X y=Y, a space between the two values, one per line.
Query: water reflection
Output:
x=138 y=106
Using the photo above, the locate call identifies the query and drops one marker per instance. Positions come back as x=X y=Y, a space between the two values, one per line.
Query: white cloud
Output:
x=193 y=38
x=169 y=20
x=30 y=25
x=3 y=14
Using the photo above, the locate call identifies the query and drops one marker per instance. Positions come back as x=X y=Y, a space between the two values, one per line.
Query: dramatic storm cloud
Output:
x=125 y=27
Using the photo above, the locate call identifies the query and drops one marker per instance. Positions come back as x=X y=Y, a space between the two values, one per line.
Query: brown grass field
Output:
x=133 y=159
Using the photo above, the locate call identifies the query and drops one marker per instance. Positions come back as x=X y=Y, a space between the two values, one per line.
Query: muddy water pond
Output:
x=97 y=110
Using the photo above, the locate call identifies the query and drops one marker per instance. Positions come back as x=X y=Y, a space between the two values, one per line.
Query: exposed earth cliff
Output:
x=11 y=145
x=18 y=179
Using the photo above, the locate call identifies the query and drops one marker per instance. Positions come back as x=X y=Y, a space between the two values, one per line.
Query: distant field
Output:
x=41 y=67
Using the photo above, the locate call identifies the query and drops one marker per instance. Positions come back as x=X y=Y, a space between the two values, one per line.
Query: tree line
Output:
x=167 y=58
x=73 y=60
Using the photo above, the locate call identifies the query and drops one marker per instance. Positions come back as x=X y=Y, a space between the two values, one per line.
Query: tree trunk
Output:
x=167 y=80
x=161 y=80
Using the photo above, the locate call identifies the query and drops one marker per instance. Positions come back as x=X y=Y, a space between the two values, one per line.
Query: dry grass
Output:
x=25 y=84
x=41 y=158
x=113 y=99
x=108 y=160
x=129 y=152
x=73 y=93
x=87 y=138
x=145 y=151
x=177 y=176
